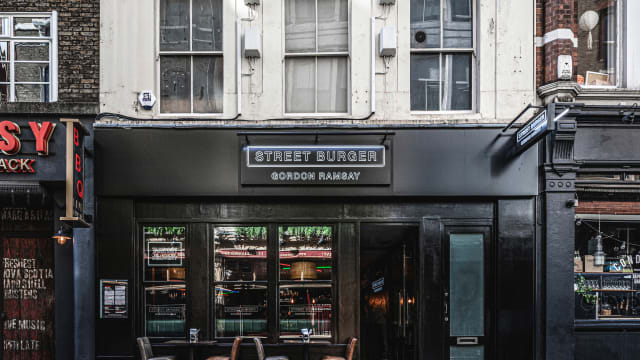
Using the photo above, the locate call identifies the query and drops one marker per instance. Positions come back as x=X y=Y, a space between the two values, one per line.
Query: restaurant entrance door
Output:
x=388 y=291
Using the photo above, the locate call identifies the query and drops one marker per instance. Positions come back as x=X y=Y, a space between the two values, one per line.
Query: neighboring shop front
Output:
x=420 y=242
x=37 y=272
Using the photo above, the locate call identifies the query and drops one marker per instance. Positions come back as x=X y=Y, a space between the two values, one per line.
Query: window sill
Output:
x=74 y=108
x=630 y=324
x=571 y=91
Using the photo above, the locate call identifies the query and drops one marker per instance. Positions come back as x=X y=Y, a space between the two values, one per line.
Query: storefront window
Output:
x=164 y=278
x=240 y=274
x=306 y=268
x=607 y=269
x=597 y=42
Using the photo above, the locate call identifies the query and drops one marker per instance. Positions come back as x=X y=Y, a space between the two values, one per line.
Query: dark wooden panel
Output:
x=348 y=271
x=416 y=210
x=248 y=351
x=198 y=278
x=114 y=260
x=600 y=345
x=515 y=280
x=430 y=293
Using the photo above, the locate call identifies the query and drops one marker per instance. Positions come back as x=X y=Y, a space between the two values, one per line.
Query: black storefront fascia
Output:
x=32 y=200
x=442 y=179
x=605 y=142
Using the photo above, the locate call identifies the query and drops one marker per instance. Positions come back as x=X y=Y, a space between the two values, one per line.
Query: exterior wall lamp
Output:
x=62 y=235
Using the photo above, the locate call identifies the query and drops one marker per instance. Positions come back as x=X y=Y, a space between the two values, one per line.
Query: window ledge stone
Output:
x=61 y=108
x=571 y=91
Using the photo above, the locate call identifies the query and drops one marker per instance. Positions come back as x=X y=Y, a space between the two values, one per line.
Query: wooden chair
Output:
x=146 y=352
x=235 y=349
x=260 y=350
x=348 y=355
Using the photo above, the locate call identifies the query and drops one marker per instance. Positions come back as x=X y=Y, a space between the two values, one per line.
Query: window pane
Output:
x=458 y=22
x=165 y=310
x=597 y=43
x=4 y=51
x=466 y=279
x=466 y=352
x=425 y=23
x=207 y=84
x=5 y=73
x=4 y=92
x=300 y=26
x=300 y=83
x=241 y=310
x=28 y=26
x=32 y=93
x=35 y=51
x=207 y=25
x=175 y=79
x=5 y=25
x=425 y=82
x=305 y=306
x=174 y=25
x=456 y=82
x=305 y=252
x=333 y=25
x=31 y=72
x=164 y=253
x=333 y=84
x=240 y=253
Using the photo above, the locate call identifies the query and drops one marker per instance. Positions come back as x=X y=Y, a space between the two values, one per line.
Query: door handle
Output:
x=467 y=340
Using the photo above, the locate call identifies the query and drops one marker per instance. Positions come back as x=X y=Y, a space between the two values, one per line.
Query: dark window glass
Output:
x=305 y=306
x=240 y=253
x=240 y=310
x=165 y=310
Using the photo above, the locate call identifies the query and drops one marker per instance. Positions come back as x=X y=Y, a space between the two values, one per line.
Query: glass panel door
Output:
x=465 y=295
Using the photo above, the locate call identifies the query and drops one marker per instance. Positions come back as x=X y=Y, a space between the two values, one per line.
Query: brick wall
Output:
x=552 y=15
x=78 y=44
x=609 y=207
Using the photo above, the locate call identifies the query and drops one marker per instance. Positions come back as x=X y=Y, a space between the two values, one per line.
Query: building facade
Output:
x=48 y=73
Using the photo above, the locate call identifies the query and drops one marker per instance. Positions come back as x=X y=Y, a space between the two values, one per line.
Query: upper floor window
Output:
x=191 y=68
x=316 y=56
x=27 y=57
x=442 y=55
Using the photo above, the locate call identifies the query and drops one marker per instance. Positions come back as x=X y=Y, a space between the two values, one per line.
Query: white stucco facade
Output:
x=503 y=81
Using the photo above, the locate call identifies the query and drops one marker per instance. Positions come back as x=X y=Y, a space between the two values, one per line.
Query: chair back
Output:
x=259 y=348
x=351 y=348
x=236 y=348
x=144 y=345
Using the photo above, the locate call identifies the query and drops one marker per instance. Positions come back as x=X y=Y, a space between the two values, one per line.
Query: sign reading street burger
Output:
x=316 y=165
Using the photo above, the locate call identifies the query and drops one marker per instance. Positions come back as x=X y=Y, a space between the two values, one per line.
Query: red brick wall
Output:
x=609 y=207
x=78 y=44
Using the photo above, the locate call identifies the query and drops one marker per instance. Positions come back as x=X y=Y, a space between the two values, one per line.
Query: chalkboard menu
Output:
x=28 y=287
x=114 y=299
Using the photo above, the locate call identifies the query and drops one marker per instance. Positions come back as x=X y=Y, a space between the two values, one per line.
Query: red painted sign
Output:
x=10 y=145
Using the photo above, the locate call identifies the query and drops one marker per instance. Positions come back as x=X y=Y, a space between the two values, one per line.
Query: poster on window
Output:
x=160 y=253
x=28 y=289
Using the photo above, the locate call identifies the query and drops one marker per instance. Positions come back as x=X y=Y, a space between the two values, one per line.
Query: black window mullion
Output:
x=273 y=288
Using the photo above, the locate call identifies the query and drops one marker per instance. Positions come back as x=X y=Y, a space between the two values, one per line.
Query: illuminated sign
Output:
x=75 y=173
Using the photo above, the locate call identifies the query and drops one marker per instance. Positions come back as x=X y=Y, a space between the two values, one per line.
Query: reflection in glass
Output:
x=466 y=352
x=300 y=26
x=597 y=42
x=305 y=306
x=300 y=84
x=207 y=84
x=174 y=25
x=333 y=22
x=458 y=24
x=34 y=51
x=456 y=82
x=241 y=310
x=164 y=253
x=425 y=24
x=425 y=82
x=4 y=92
x=436 y=90
x=240 y=253
x=5 y=73
x=31 y=26
x=32 y=93
x=5 y=25
x=466 y=279
x=31 y=72
x=207 y=25
x=175 y=79
x=4 y=50
x=165 y=310
x=305 y=252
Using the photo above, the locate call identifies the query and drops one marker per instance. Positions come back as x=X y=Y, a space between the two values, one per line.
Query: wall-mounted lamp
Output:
x=62 y=235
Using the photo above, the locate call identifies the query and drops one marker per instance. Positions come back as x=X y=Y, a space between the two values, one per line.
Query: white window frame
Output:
x=315 y=55
x=441 y=51
x=53 y=51
x=191 y=53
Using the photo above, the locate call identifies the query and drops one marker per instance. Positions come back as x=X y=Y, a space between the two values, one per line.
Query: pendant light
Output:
x=587 y=22
x=62 y=235
x=599 y=255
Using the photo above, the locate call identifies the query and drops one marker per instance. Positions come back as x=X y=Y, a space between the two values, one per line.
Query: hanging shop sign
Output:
x=75 y=173
x=114 y=300
x=23 y=144
x=316 y=165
